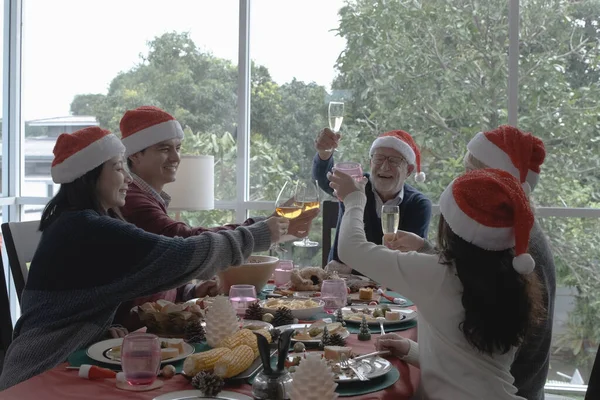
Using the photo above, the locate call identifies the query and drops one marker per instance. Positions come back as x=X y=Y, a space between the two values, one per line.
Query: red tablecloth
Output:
x=62 y=384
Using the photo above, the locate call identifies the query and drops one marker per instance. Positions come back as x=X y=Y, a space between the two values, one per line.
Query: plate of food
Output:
x=255 y=325
x=301 y=308
x=373 y=314
x=372 y=367
x=312 y=333
x=109 y=351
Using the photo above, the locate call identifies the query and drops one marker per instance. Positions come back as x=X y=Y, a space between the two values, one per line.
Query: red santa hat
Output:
x=488 y=208
x=79 y=152
x=404 y=144
x=146 y=126
x=509 y=149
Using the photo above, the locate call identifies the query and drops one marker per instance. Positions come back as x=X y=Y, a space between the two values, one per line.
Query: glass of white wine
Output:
x=308 y=197
x=287 y=206
x=336 y=115
x=390 y=219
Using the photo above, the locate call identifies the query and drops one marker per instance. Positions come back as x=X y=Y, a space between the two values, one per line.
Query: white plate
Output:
x=99 y=352
x=344 y=332
x=372 y=368
x=251 y=322
x=257 y=324
x=303 y=313
x=197 y=394
x=405 y=314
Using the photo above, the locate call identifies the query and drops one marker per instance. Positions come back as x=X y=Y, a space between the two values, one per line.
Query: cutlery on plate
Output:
x=373 y=354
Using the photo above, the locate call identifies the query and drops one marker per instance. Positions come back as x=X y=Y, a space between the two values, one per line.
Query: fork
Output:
x=346 y=365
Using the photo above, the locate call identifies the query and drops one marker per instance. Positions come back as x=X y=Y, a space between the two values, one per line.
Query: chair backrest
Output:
x=6 y=327
x=330 y=217
x=593 y=389
x=21 y=240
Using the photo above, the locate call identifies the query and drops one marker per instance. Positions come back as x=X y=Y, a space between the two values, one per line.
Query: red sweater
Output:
x=146 y=212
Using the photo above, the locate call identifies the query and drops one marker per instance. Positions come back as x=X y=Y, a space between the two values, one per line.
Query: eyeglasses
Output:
x=379 y=159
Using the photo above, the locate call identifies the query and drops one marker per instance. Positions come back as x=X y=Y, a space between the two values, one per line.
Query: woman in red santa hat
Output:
x=521 y=154
x=88 y=260
x=477 y=297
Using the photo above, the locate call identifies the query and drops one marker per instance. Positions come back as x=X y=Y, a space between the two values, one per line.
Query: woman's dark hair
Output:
x=501 y=306
x=81 y=194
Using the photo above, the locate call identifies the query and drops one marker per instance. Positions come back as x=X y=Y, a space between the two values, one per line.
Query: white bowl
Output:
x=301 y=314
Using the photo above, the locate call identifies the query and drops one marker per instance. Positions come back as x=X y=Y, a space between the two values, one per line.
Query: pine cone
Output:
x=274 y=334
x=335 y=340
x=254 y=312
x=194 y=332
x=208 y=383
x=283 y=316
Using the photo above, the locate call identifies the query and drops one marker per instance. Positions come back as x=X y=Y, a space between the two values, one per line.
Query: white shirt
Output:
x=451 y=369
x=396 y=201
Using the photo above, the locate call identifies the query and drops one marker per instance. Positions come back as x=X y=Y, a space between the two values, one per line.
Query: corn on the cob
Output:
x=243 y=336
x=236 y=361
x=204 y=361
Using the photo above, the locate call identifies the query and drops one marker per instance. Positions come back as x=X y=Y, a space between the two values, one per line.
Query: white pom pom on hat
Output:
x=420 y=177
x=523 y=264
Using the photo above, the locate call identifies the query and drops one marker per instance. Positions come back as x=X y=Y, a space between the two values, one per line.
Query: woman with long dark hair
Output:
x=88 y=261
x=477 y=298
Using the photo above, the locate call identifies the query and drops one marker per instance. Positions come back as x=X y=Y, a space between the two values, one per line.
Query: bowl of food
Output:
x=301 y=308
x=167 y=319
x=255 y=271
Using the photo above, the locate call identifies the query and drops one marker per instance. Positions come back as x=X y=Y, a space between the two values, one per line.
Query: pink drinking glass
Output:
x=140 y=358
x=334 y=293
x=353 y=169
x=241 y=296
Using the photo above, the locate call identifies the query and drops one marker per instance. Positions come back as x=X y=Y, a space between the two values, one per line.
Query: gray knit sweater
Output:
x=87 y=264
x=530 y=367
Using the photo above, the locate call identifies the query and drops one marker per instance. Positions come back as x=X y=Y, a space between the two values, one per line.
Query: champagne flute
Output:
x=287 y=206
x=390 y=219
x=336 y=115
x=308 y=198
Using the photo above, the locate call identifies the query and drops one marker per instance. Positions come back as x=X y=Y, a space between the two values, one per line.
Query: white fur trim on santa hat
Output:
x=152 y=135
x=494 y=157
x=397 y=144
x=487 y=238
x=86 y=159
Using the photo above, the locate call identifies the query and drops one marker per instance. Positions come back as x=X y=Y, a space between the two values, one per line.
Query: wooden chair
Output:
x=6 y=327
x=21 y=240
x=330 y=217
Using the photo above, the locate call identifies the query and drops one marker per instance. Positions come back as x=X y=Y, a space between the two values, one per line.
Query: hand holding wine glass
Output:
x=326 y=142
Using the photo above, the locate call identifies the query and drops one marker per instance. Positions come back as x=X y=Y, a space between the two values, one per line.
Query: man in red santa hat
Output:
x=394 y=156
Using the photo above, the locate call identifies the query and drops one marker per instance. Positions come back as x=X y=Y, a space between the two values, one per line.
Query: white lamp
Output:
x=194 y=188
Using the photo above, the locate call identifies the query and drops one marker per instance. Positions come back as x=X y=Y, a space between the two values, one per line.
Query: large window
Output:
x=79 y=73
x=438 y=69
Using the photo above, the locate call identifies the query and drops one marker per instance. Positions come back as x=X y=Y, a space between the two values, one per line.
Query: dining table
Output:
x=60 y=383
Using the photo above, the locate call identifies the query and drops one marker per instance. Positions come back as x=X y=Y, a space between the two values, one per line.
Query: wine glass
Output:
x=241 y=297
x=307 y=195
x=334 y=293
x=140 y=358
x=287 y=206
x=353 y=169
x=390 y=219
x=336 y=115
